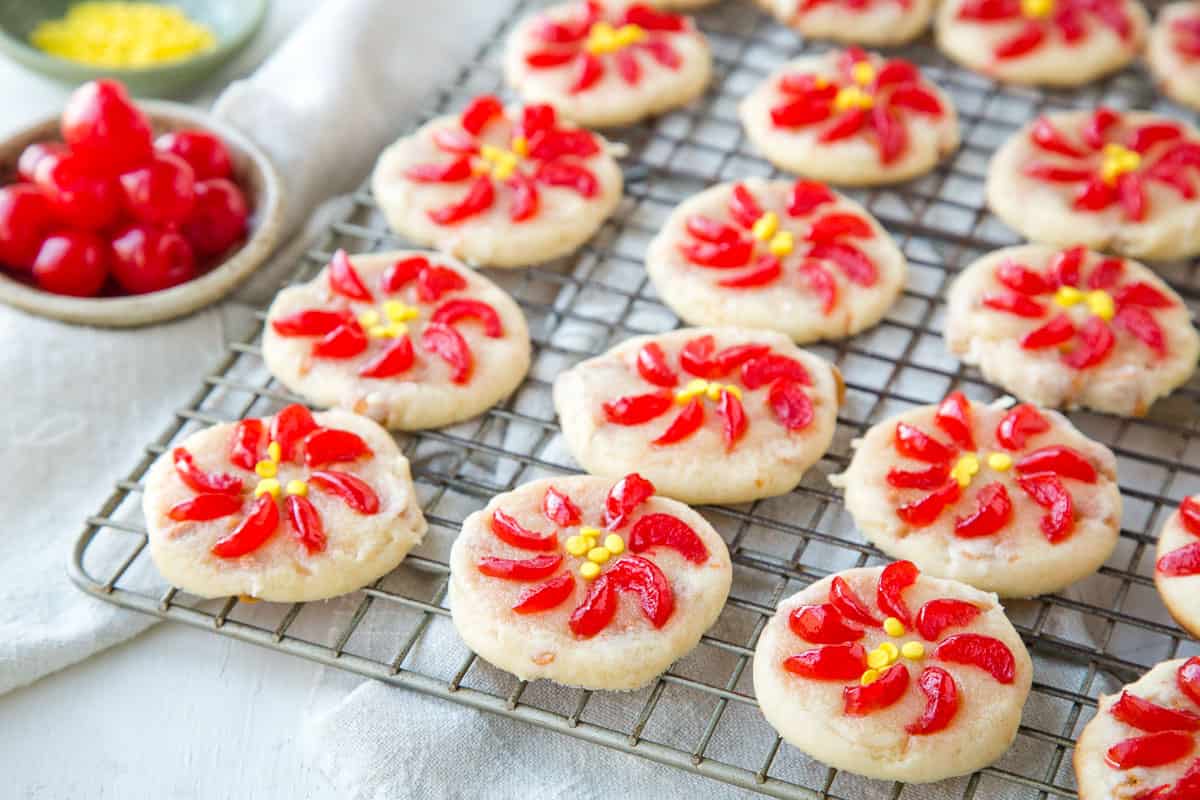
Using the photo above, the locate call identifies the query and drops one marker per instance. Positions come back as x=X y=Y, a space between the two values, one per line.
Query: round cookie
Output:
x=684 y=4
x=609 y=63
x=1173 y=52
x=710 y=415
x=586 y=582
x=1141 y=745
x=776 y=255
x=288 y=508
x=852 y=118
x=1122 y=182
x=1009 y=500
x=876 y=23
x=1071 y=328
x=409 y=338
x=498 y=187
x=1177 y=568
x=894 y=675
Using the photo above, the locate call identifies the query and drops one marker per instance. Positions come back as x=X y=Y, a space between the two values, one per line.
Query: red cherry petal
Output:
x=688 y=422
x=306 y=523
x=479 y=112
x=526 y=569
x=588 y=71
x=546 y=59
x=859 y=701
x=850 y=605
x=1139 y=324
x=743 y=207
x=525 y=198
x=345 y=341
x=732 y=357
x=252 y=532
x=718 y=255
x=1025 y=41
x=309 y=322
x=1020 y=423
x=912 y=442
x=832 y=662
x=1189 y=515
x=652 y=366
x=917 y=98
x=1013 y=303
x=332 y=446
x=1056 y=174
x=973 y=649
x=1022 y=279
x=201 y=481
x=1181 y=562
x=1093 y=344
x=993 y=510
x=559 y=508
x=395 y=360
x=1059 y=459
x=400 y=273
x=205 y=507
x=1141 y=294
x=1049 y=138
x=768 y=270
x=854 y=263
x=647 y=18
x=628 y=67
x=768 y=368
x=822 y=624
x=1132 y=193
x=954 y=417
x=353 y=491
x=1106 y=274
x=1187 y=677
x=664 y=53
x=289 y=428
x=844 y=126
x=449 y=345
x=893 y=580
x=245 y=446
x=896 y=72
x=936 y=616
x=929 y=478
x=790 y=404
x=941 y=705
x=799 y=113
x=891 y=135
x=733 y=418
x=455 y=141
x=926 y=510
x=345 y=280
x=1095 y=132
x=1048 y=491
x=625 y=496
x=452 y=311
x=1151 y=717
x=835 y=225
x=639 y=408
x=1059 y=330
x=455 y=171
x=508 y=530
x=434 y=281
x=1152 y=750
x=696 y=357
x=1095 y=195
x=664 y=530
x=821 y=283
x=806 y=196
x=546 y=596
x=707 y=229
x=990 y=10
x=478 y=199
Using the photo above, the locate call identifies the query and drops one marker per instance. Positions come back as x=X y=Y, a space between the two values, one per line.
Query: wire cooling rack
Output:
x=701 y=715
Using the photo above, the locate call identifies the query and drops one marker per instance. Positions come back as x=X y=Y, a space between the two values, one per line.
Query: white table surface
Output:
x=176 y=712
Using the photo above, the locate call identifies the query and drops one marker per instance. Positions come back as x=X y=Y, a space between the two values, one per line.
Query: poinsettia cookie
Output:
x=410 y=338
x=586 y=581
x=1123 y=182
x=851 y=117
x=1142 y=743
x=794 y=257
x=608 y=63
x=1042 y=42
x=287 y=508
x=498 y=186
x=711 y=415
x=1174 y=51
x=879 y=23
x=1010 y=500
x=892 y=674
x=1070 y=328
x=1177 y=568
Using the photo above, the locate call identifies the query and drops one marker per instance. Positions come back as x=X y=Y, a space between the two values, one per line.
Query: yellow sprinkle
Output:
x=576 y=545
x=489 y=152
x=782 y=243
x=377 y=331
x=913 y=650
x=863 y=73
x=603 y=38
x=713 y=392
x=892 y=651
x=766 y=226
x=297 y=487
x=1037 y=9
x=395 y=330
x=599 y=555
x=274 y=452
x=852 y=97
x=877 y=659
x=122 y=34
x=1100 y=303
x=399 y=312
x=1067 y=296
x=267 y=485
x=520 y=146
x=589 y=570
x=893 y=627
x=869 y=677
x=614 y=544
x=1116 y=161
x=505 y=168
x=736 y=391
x=1000 y=461
x=697 y=386
x=266 y=469
x=589 y=532
x=369 y=318
x=965 y=468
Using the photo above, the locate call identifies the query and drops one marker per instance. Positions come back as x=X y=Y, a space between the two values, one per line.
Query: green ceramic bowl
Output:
x=233 y=22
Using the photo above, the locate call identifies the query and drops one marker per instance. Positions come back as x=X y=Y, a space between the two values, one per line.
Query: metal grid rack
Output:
x=1104 y=631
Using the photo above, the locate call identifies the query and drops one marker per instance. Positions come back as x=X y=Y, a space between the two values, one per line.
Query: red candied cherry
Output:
x=160 y=192
x=81 y=198
x=148 y=259
x=205 y=152
x=103 y=126
x=26 y=216
x=33 y=155
x=72 y=262
x=218 y=219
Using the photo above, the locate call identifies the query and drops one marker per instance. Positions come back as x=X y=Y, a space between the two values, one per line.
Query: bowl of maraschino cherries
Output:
x=122 y=213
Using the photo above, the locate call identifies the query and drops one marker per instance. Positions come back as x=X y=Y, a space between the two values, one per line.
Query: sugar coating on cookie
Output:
x=710 y=415
x=891 y=674
x=1177 y=568
x=410 y=338
x=794 y=257
x=498 y=186
x=851 y=117
x=1070 y=328
x=1173 y=52
x=1122 y=182
x=1010 y=500
x=1042 y=42
x=586 y=581
x=1142 y=742
x=877 y=23
x=608 y=63
x=288 y=508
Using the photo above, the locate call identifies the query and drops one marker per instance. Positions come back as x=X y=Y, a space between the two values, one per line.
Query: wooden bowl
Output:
x=253 y=174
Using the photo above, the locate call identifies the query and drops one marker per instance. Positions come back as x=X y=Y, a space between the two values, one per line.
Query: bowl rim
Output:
x=145 y=309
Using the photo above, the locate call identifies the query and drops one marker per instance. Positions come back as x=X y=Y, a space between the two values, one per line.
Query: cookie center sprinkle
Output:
x=969 y=465
x=587 y=544
x=1098 y=301
x=603 y=38
x=1116 y=161
x=766 y=229
x=853 y=97
x=698 y=387
x=863 y=73
x=388 y=321
x=1037 y=9
x=888 y=653
x=501 y=163
x=267 y=471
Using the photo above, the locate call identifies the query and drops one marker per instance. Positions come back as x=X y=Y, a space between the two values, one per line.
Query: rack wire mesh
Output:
x=1107 y=629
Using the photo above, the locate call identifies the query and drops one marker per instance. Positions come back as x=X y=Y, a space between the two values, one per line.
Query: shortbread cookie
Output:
x=586 y=582
x=288 y=508
x=410 y=338
x=1071 y=328
x=1142 y=743
x=1126 y=183
x=894 y=675
x=1010 y=500
x=682 y=3
x=1173 y=52
x=776 y=255
x=877 y=23
x=608 y=63
x=1177 y=569
x=1042 y=42
x=851 y=117
x=710 y=415
x=498 y=187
